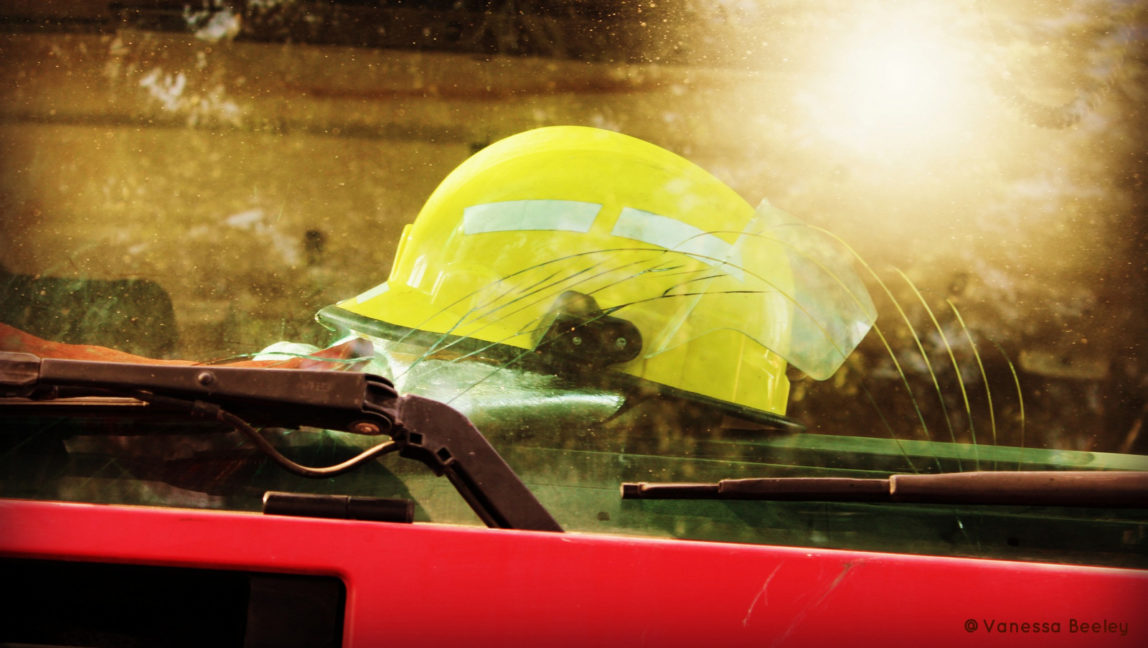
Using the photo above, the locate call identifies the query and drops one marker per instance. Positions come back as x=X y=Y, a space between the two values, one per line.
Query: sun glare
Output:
x=894 y=84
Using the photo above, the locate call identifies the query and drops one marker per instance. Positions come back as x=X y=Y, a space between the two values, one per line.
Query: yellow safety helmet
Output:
x=595 y=254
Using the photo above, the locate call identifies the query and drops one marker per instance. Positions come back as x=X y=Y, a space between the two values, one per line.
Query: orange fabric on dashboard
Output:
x=14 y=339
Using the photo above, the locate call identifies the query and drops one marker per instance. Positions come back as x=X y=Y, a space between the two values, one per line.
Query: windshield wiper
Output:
x=1102 y=489
x=420 y=428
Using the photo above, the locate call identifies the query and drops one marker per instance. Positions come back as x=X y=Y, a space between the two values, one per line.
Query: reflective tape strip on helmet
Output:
x=526 y=215
x=673 y=234
x=573 y=216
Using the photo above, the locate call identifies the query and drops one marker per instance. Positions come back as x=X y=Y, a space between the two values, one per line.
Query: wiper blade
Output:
x=1101 y=489
x=420 y=428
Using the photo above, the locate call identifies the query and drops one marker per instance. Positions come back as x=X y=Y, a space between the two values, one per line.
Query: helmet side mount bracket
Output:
x=580 y=336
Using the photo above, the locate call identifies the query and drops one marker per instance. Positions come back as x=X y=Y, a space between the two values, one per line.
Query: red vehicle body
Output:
x=434 y=585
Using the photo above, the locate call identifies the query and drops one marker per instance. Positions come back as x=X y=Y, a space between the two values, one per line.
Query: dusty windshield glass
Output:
x=199 y=180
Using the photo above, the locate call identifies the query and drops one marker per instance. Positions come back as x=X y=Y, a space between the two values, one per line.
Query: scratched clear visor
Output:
x=788 y=286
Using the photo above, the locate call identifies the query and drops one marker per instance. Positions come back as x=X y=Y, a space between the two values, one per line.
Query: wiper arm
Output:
x=1101 y=489
x=420 y=428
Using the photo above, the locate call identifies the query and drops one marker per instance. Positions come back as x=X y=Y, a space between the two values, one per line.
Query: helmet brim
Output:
x=634 y=388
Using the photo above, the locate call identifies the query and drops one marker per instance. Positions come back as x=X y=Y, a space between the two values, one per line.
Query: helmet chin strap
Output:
x=580 y=336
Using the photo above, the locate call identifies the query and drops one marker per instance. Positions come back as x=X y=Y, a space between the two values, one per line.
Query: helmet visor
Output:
x=788 y=286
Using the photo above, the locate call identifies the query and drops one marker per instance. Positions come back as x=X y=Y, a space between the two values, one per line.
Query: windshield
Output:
x=939 y=267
